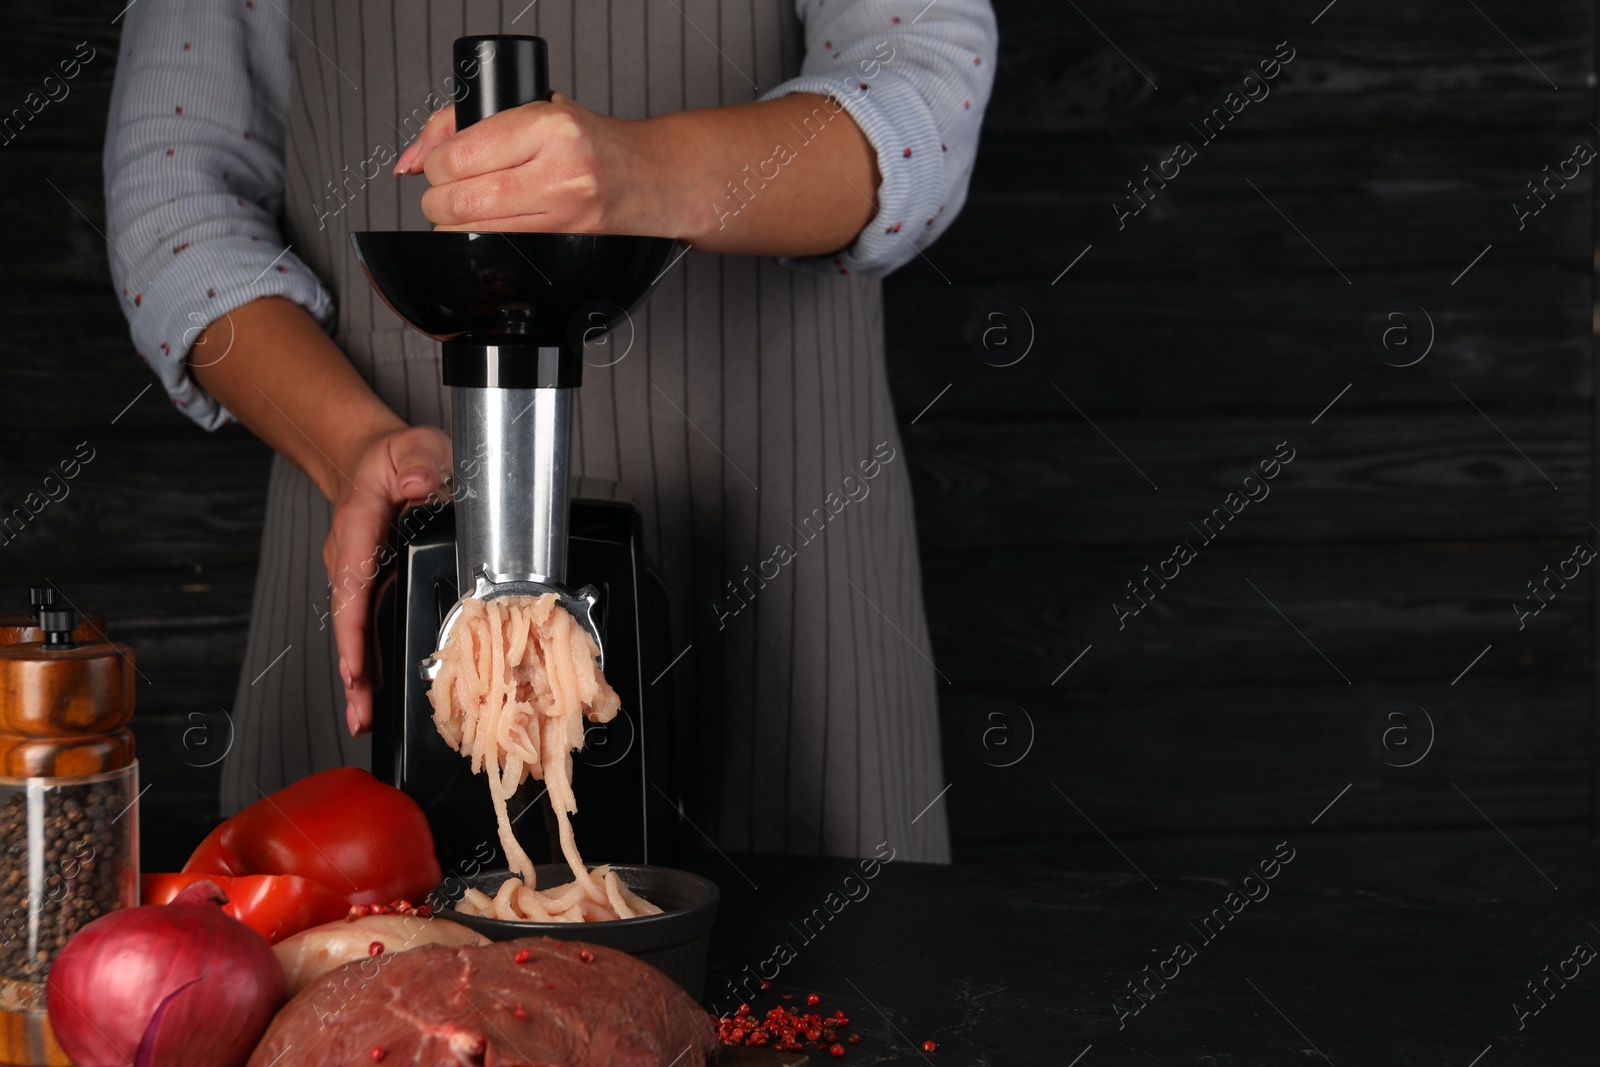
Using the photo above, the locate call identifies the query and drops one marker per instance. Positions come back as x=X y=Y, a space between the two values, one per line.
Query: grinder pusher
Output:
x=513 y=312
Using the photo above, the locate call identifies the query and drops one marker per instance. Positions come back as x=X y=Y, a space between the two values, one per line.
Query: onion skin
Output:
x=111 y=978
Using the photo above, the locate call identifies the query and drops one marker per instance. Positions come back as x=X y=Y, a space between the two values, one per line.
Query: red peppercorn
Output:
x=788 y=996
x=836 y=1051
x=855 y=1039
x=812 y=998
x=585 y=955
x=522 y=956
x=813 y=1035
x=930 y=1046
x=758 y=1038
x=519 y=1012
x=829 y=1034
x=377 y=1053
x=375 y=949
x=423 y=911
x=765 y=985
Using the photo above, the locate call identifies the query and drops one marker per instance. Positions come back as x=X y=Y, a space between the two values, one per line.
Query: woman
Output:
x=248 y=138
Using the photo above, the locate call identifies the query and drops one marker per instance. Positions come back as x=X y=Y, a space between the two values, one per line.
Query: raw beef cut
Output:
x=534 y=1002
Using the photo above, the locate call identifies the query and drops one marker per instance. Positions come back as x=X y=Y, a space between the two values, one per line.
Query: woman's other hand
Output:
x=395 y=468
x=282 y=376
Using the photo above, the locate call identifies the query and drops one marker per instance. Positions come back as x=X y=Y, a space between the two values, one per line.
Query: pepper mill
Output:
x=68 y=828
x=25 y=627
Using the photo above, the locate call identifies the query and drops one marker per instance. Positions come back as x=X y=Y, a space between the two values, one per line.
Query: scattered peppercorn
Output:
x=765 y=985
x=855 y=1039
x=377 y=1053
x=522 y=956
x=585 y=955
x=519 y=1012
x=781 y=1027
x=836 y=1051
x=375 y=949
x=930 y=1046
x=395 y=907
x=812 y=998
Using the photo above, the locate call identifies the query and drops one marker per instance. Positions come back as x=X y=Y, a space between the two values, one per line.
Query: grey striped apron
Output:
x=742 y=425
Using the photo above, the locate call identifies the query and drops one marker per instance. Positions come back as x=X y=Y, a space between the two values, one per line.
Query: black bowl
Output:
x=531 y=287
x=674 y=942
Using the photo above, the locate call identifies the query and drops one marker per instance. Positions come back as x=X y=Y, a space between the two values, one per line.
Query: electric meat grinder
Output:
x=514 y=312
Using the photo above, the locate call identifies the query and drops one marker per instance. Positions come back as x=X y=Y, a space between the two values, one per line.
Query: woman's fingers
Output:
x=509 y=139
x=440 y=127
x=360 y=528
x=400 y=468
x=501 y=140
x=420 y=459
x=548 y=194
x=552 y=166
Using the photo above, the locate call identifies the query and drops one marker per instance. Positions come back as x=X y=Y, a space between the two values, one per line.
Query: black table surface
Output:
x=1027 y=967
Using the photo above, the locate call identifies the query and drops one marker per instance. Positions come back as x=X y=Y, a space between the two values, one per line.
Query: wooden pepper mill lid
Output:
x=64 y=702
x=17 y=626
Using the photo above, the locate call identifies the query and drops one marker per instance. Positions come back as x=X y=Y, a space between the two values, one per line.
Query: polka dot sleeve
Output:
x=194 y=169
x=915 y=76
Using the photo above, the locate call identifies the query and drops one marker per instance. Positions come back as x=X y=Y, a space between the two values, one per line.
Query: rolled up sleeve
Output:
x=916 y=78
x=194 y=180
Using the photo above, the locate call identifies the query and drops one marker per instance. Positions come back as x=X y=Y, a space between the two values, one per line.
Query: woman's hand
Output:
x=555 y=167
x=395 y=468
x=793 y=176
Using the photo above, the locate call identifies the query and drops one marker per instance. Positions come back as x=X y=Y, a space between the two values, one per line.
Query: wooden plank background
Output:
x=1235 y=708
x=1195 y=339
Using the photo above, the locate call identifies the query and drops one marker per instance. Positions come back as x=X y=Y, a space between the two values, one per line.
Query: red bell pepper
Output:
x=366 y=841
x=273 y=905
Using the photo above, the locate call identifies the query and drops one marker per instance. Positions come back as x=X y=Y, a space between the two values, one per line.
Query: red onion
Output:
x=167 y=985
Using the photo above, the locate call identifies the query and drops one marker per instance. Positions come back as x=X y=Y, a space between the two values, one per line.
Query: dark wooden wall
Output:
x=1196 y=338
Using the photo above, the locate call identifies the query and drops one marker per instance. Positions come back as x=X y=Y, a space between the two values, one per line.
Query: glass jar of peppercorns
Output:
x=69 y=826
x=70 y=848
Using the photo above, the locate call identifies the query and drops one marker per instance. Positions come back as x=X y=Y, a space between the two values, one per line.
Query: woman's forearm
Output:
x=274 y=368
x=792 y=176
